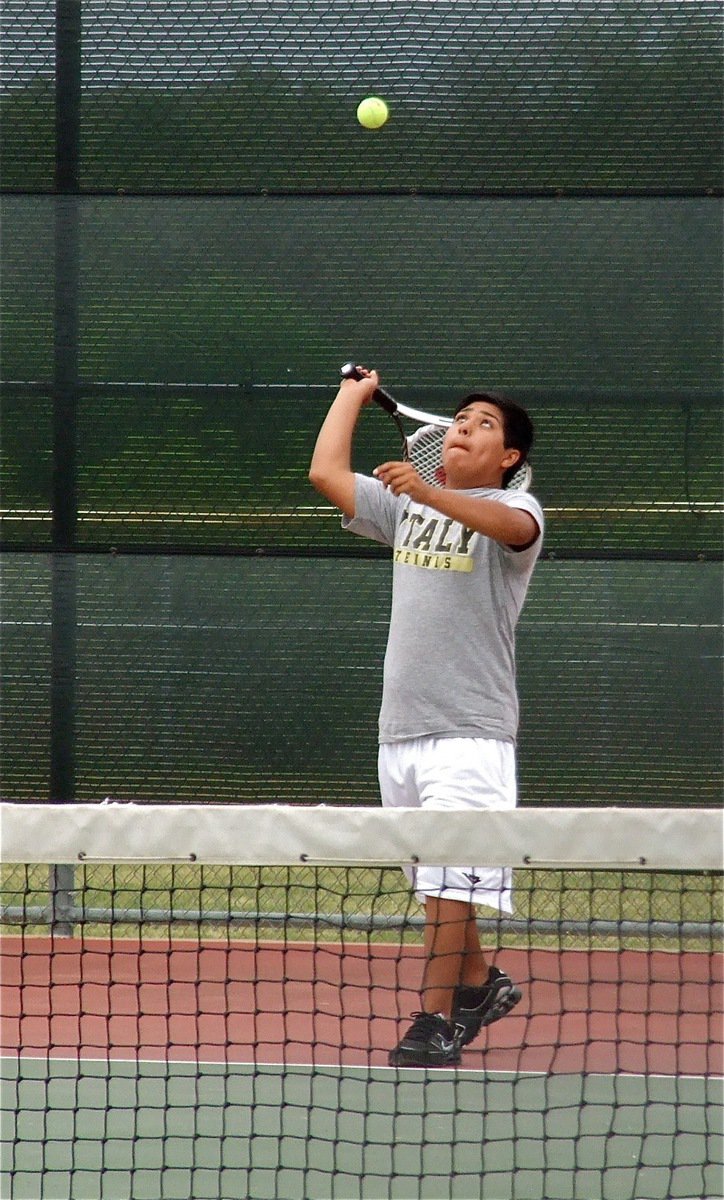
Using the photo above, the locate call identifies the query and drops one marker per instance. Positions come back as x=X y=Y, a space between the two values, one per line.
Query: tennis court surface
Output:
x=200 y=1001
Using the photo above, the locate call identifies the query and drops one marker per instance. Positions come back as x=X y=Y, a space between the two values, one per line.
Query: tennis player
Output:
x=462 y=556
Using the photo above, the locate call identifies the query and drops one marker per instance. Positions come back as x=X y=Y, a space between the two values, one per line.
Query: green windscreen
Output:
x=258 y=678
x=211 y=332
x=484 y=95
x=197 y=234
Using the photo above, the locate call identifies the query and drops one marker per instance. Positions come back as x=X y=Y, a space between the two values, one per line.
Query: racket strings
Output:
x=425 y=453
x=424 y=449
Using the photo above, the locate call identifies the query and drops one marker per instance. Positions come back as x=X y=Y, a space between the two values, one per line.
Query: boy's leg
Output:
x=475 y=964
x=432 y=1039
x=457 y=982
x=453 y=953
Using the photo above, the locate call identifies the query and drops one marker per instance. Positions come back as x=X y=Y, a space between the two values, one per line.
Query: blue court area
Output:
x=122 y=1130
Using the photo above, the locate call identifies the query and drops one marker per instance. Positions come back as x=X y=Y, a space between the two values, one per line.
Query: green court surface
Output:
x=121 y=1130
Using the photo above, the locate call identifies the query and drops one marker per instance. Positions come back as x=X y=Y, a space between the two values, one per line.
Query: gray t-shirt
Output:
x=456 y=597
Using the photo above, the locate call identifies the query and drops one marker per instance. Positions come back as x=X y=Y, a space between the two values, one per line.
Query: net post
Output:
x=61 y=890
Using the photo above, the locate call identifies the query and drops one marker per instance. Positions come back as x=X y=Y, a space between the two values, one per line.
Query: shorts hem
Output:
x=486 y=899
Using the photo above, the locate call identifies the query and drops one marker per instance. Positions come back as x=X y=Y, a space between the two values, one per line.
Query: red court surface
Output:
x=630 y=1012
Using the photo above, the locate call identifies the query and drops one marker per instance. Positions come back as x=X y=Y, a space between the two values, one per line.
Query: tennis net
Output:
x=199 y=1002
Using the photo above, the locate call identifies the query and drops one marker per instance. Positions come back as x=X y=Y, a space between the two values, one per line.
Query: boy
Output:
x=462 y=559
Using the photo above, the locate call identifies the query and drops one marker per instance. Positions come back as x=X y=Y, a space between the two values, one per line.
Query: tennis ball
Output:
x=372 y=112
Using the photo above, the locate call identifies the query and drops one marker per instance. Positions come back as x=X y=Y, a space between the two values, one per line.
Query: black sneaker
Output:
x=475 y=1007
x=431 y=1041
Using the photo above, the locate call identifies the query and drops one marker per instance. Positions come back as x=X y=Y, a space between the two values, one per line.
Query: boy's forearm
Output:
x=505 y=524
x=333 y=447
x=510 y=526
x=330 y=471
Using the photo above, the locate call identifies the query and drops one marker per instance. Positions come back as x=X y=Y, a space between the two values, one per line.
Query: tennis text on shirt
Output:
x=436 y=543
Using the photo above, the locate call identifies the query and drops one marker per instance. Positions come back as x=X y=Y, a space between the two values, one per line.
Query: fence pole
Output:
x=65 y=416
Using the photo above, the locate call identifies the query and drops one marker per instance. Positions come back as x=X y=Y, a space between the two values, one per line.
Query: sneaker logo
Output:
x=473 y=878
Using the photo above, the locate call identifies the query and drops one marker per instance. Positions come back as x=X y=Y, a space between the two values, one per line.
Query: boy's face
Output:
x=473 y=452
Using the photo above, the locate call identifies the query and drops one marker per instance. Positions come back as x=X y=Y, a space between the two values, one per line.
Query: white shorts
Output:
x=451 y=773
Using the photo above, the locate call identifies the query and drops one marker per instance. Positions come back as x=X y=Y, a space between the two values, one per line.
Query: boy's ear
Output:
x=510 y=458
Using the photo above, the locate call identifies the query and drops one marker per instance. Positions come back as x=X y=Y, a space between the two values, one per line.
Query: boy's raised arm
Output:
x=330 y=471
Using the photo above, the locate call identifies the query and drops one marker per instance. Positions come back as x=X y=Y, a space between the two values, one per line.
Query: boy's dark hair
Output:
x=518 y=430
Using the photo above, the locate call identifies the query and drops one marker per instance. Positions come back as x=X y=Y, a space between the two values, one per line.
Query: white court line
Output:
x=439 y=1072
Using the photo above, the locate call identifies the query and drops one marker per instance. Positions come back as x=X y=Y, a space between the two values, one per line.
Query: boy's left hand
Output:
x=402 y=479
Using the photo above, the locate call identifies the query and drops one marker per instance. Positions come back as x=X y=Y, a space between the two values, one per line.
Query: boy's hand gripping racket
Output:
x=423 y=447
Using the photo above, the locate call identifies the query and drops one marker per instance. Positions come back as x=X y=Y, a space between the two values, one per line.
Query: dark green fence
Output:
x=258 y=679
x=197 y=234
x=485 y=96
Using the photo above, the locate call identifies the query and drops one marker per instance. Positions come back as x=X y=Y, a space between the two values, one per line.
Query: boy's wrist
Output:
x=359 y=390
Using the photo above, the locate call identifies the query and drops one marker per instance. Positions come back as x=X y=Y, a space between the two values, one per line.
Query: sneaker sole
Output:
x=506 y=1001
x=412 y=1058
x=503 y=1004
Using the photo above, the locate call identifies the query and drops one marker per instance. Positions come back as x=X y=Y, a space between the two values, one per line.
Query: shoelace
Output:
x=423 y=1024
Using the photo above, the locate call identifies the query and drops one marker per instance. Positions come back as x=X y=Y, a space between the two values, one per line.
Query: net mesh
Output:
x=209 y=1030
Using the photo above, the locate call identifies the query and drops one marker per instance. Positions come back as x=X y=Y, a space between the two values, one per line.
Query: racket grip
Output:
x=350 y=370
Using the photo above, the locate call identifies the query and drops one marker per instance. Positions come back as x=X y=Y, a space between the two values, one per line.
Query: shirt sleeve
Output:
x=376 y=511
x=528 y=503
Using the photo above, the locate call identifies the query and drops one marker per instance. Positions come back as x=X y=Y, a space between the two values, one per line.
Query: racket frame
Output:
x=393 y=407
x=521 y=479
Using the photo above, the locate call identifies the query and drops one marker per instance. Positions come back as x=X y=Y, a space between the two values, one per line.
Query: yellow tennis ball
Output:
x=372 y=112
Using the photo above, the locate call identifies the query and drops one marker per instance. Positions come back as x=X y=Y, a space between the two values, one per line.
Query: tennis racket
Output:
x=423 y=446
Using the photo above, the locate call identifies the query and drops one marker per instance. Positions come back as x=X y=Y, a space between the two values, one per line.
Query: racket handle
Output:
x=350 y=370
